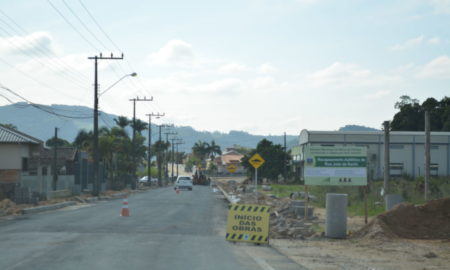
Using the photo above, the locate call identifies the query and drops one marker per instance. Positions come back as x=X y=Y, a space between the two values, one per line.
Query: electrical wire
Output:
x=43 y=107
x=22 y=31
x=72 y=26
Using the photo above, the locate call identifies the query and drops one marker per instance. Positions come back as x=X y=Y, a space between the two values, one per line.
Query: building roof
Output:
x=8 y=135
x=406 y=133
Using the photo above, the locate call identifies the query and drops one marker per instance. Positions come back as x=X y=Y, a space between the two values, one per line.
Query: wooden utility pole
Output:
x=386 y=157
x=55 y=157
x=95 y=182
x=427 y=153
x=149 y=158
x=133 y=141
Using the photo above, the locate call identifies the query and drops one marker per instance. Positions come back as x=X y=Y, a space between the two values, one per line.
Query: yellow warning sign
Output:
x=256 y=160
x=248 y=223
x=231 y=168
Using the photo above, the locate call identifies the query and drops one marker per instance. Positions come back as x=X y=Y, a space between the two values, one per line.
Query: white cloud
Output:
x=175 y=52
x=27 y=44
x=434 y=41
x=440 y=6
x=266 y=68
x=378 y=95
x=437 y=68
x=408 y=44
x=348 y=75
x=233 y=68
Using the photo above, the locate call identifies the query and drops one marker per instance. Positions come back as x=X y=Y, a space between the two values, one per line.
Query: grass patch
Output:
x=412 y=191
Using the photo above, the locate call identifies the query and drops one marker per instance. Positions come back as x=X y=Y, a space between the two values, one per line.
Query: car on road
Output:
x=144 y=180
x=183 y=182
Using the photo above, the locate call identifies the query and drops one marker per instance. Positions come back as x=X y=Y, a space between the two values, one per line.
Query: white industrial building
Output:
x=407 y=150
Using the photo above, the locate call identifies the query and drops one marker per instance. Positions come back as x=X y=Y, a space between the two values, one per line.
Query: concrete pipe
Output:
x=336 y=219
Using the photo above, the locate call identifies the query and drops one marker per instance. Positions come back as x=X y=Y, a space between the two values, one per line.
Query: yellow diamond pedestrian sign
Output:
x=231 y=168
x=256 y=160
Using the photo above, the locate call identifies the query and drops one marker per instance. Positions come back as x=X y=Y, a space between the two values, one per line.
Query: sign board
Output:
x=248 y=223
x=335 y=165
x=231 y=168
x=256 y=161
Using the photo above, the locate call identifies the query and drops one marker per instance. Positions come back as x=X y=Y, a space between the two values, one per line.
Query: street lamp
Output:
x=134 y=74
x=96 y=182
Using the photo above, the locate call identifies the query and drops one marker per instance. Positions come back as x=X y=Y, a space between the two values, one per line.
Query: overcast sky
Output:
x=262 y=66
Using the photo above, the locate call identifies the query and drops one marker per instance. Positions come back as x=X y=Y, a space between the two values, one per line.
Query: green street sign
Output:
x=335 y=165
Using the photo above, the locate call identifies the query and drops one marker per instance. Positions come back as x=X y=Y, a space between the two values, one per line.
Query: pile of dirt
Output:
x=428 y=221
x=8 y=207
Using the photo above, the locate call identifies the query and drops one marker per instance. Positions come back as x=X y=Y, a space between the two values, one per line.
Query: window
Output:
x=395 y=169
x=24 y=164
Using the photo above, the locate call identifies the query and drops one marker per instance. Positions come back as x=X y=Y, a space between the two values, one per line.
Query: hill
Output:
x=357 y=128
x=41 y=124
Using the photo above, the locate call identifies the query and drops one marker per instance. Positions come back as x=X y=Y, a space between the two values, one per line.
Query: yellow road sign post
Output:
x=256 y=161
x=248 y=223
x=231 y=168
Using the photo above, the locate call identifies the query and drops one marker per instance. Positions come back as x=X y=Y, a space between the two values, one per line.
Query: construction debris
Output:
x=287 y=218
x=428 y=221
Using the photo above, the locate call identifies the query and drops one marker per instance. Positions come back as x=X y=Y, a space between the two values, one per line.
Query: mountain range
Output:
x=40 y=121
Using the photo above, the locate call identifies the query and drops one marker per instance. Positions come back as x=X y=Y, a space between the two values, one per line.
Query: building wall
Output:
x=11 y=155
x=407 y=152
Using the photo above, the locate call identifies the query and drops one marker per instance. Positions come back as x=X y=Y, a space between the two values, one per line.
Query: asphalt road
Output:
x=165 y=230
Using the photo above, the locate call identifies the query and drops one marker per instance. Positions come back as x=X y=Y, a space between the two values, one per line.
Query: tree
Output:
x=122 y=121
x=214 y=149
x=201 y=150
x=411 y=114
x=59 y=142
x=83 y=140
x=274 y=157
x=140 y=126
x=10 y=126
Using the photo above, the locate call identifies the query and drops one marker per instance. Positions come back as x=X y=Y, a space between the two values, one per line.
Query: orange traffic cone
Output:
x=177 y=190
x=125 y=211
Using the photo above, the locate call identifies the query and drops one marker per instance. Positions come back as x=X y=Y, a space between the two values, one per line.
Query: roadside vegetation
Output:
x=412 y=191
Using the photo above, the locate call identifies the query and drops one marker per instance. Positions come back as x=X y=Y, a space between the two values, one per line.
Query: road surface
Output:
x=165 y=230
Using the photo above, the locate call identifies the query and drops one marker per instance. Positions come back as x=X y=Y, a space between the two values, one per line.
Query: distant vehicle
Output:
x=144 y=179
x=183 y=182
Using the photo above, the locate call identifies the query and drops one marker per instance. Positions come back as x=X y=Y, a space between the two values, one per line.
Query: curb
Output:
x=230 y=199
x=47 y=207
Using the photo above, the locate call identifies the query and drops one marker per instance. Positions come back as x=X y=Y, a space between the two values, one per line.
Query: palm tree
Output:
x=84 y=139
x=140 y=126
x=201 y=150
x=214 y=149
x=122 y=121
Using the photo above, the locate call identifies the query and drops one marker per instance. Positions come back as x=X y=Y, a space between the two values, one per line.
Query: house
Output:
x=407 y=150
x=16 y=150
x=228 y=157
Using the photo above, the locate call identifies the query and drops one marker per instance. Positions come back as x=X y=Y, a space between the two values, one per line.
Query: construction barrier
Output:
x=248 y=223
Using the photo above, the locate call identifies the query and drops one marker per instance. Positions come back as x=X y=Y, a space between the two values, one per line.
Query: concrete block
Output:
x=336 y=215
x=391 y=200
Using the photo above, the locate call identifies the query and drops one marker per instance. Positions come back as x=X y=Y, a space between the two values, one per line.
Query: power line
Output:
x=42 y=107
x=22 y=31
x=24 y=51
x=72 y=26
x=83 y=24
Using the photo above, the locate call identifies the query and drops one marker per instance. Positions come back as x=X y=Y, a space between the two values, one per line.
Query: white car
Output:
x=183 y=182
x=144 y=179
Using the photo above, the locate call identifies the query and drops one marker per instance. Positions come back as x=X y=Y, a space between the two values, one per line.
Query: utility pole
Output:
x=176 y=144
x=159 y=157
x=149 y=159
x=386 y=157
x=166 y=171
x=133 y=142
x=95 y=182
x=427 y=152
x=55 y=170
x=284 y=162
